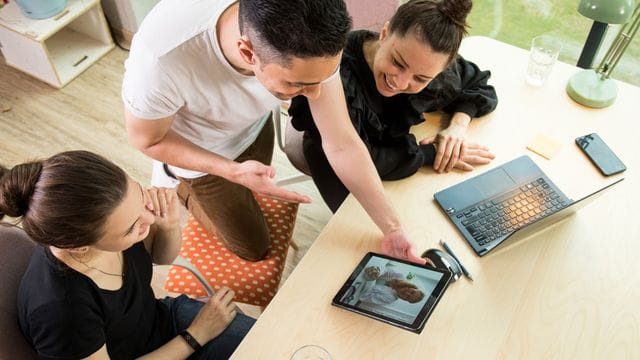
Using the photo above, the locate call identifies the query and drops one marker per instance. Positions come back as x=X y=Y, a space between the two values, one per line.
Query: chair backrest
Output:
x=290 y=142
x=293 y=148
x=15 y=252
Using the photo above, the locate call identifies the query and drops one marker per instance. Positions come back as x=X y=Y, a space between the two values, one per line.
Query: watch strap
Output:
x=195 y=345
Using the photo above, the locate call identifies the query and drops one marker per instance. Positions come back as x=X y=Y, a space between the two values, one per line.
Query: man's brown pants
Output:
x=229 y=210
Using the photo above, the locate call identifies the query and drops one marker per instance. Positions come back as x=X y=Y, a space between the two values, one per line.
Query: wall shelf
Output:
x=57 y=49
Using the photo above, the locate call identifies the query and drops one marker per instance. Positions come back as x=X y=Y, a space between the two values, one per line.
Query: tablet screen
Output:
x=395 y=291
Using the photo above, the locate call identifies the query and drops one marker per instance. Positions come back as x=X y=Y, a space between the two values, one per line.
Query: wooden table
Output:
x=571 y=292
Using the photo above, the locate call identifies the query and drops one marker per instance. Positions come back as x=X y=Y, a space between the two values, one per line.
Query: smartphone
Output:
x=600 y=154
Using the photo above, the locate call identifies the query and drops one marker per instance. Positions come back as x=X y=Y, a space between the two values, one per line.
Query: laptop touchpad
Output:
x=493 y=182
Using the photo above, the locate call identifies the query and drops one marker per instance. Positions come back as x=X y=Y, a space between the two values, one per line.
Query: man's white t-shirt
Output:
x=176 y=67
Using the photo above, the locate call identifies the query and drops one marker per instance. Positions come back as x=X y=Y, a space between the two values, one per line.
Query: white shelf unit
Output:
x=57 y=49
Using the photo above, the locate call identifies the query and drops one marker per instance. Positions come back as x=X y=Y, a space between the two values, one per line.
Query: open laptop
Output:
x=507 y=204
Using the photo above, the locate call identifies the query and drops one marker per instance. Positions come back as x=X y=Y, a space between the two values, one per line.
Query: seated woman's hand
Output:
x=449 y=143
x=164 y=204
x=473 y=154
x=214 y=316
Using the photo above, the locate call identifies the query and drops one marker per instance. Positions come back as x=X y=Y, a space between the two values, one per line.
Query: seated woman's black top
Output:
x=64 y=315
x=383 y=123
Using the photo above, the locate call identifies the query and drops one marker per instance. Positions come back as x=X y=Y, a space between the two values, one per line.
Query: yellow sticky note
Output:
x=544 y=146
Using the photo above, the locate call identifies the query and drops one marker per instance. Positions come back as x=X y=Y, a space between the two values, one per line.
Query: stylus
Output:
x=453 y=255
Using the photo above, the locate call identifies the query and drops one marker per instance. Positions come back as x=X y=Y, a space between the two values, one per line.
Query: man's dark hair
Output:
x=282 y=29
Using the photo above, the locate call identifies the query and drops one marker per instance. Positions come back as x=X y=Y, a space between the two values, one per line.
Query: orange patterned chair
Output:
x=204 y=258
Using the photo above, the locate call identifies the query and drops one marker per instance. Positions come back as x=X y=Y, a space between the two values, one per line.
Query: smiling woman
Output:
x=411 y=67
x=403 y=64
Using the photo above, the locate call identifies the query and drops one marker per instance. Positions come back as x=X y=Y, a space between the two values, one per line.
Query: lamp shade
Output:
x=607 y=11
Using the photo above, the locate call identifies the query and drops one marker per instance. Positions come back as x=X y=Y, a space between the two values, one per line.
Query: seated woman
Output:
x=87 y=290
x=390 y=79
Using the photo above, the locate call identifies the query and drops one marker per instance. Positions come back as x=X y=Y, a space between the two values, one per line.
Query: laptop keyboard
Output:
x=496 y=218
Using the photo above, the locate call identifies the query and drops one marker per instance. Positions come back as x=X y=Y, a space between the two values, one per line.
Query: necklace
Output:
x=96 y=269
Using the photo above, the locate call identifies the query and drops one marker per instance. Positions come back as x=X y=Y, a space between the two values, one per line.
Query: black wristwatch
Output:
x=195 y=345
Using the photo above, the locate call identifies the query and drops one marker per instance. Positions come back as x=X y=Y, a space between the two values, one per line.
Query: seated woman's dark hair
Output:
x=440 y=23
x=64 y=200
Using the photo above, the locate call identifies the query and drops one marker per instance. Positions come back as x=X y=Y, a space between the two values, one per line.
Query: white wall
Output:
x=127 y=14
x=141 y=8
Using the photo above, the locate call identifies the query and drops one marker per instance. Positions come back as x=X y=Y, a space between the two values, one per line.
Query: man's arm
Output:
x=351 y=161
x=156 y=139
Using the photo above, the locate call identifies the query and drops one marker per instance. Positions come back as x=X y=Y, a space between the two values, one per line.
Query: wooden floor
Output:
x=37 y=120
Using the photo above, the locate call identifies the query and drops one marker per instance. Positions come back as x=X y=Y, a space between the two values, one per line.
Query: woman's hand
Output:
x=449 y=142
x=452 y=149
x=164 y=204
x=473 y=154
x=214 y=316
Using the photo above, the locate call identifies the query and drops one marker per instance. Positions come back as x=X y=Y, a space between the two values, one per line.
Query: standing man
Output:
x=200 y=83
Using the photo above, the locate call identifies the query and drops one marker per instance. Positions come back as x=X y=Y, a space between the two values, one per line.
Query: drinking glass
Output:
x=311 y=352
x=544 y=53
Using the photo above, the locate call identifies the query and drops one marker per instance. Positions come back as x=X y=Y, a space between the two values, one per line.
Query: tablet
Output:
x=394 y=291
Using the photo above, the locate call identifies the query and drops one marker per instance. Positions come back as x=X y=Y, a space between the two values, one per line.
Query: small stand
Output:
x=444 y=261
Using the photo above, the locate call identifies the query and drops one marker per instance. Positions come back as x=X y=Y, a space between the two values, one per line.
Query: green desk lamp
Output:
x=594 y=88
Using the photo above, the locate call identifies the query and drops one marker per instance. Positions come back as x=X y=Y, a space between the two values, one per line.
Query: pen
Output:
x=448 y=250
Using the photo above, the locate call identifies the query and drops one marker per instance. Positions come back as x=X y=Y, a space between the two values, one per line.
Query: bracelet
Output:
x=195 y=345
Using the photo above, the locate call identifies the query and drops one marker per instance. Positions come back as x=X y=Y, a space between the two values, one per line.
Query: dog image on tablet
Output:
x=388 y=287
x=391 y=289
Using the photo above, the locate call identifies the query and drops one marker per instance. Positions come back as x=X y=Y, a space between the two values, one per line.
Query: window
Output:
x=518 y=21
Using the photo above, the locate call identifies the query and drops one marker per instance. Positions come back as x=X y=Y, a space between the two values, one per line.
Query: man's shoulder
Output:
x=171 y=23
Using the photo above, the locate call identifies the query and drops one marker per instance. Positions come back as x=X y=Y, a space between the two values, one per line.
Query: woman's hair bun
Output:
x=16 y=188
x=456 y=10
